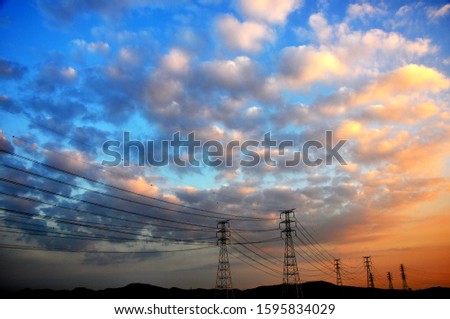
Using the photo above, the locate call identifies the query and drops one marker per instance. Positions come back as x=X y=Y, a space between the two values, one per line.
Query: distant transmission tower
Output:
x=368 y=266
x=291 y=277
x=337 y=267
x=402 y=270
x=223 y=279
x=389 y=277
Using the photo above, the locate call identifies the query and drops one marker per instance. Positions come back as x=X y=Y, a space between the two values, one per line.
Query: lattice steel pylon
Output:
x=402 y=271
x=368 y=266
x=224 y=284
x=389 y=277
x=291 y=277
x=337 y=267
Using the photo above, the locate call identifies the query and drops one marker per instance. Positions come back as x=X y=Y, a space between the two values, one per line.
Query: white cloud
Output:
x=320 y=26
x=268 y=10
x=68 y=73
x=436 y=13
x=253 y=111
x=359 y=11
x=343 y=55
x=92 y=47
x=246 y=36
x=347 y=54
x=176 y=62
x=403 y=10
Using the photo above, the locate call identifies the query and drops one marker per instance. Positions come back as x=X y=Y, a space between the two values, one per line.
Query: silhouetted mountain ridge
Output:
x=310 y=290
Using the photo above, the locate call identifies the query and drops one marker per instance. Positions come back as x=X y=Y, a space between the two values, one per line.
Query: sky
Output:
x=77 y=74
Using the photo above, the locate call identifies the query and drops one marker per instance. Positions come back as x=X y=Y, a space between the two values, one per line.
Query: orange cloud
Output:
x=411 y=78
x=141 y=186
x=349 y=129
x=305 y=65
x=403 y=109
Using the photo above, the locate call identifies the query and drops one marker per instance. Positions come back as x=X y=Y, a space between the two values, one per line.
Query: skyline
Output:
x=76 y=74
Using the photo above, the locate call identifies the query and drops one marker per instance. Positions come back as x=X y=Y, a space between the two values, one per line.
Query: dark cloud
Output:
x=58 y=109
x=9 y=105
x=10 y=70
x=53 y=75
x=5 y=144
x=66 y=11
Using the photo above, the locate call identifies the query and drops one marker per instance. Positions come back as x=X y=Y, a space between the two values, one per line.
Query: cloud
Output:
x=361 y=10
x=320 y=26
x=176 y=62
x=9 y=105
x=434 y=13
x=5 y=144
x=411 y=78
x=402 y=109
x=304 y=65
x=55 y=74
x=56 y=113
x=238 y=74
x=403 y=10
x=266 y=11
x=66 y=11
x=344 y=56
x=10 y=70
x=244 y=36
x=349 y=129
x=400 y=93
x=141 y=186
x=98 y=47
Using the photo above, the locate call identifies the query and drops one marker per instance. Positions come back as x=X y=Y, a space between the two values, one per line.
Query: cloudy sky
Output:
x=75 y=74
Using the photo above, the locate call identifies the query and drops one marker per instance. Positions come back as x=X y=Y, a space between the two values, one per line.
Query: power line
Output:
x=101 y=205
x=254 y=260
x=81 y=224
x=82 y=142
x=314 y=240
x=24 y=247
x=89 y=212
x=271 y=257
x=253 y=266
x=313 y=256
x=221 y=215
x=258 y=255
x=103 y=193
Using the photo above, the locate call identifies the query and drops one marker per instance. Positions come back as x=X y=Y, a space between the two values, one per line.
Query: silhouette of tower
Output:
x=291 y=277
x=337 y=267
x=389 y=277
x=368 y=265
x=402 y=270
x=223 y=279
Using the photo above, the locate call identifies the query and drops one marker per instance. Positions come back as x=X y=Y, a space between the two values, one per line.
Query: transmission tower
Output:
x=291 y=277
x=223 y=279
x=337 y=267
x=402 y=271
x=368 y=265
x=389 y=277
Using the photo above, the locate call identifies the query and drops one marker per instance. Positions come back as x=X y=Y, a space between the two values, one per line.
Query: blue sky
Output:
x=75 y=74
